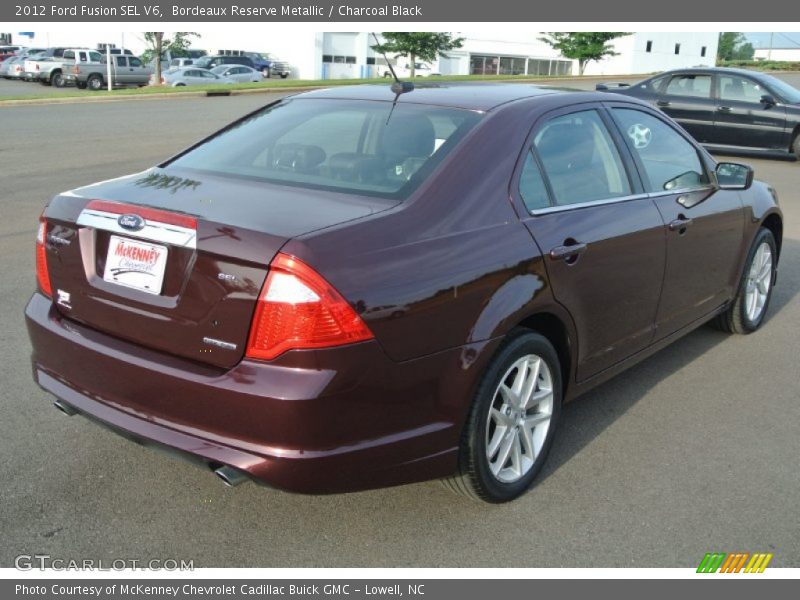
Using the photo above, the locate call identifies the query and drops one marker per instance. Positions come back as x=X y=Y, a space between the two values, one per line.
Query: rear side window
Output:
x=670 y=161
x=532 y=188
x=342 y=145
x=580 y=159
x=698 y=86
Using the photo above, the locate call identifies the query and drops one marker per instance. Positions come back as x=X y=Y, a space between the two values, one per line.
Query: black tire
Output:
x=180 y=85
x=265 y=72
x=80 y=85
x=735 y=318
x=57 y=79
x=284 y=75
x=95 y=82
x=474 y=478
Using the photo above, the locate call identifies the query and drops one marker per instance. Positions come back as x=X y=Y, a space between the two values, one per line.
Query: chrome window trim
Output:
x=153 y=231
x=629 y=198
x=578 y=205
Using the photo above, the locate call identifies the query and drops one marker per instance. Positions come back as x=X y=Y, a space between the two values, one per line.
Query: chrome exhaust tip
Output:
x=230 y=476
x=65 y=408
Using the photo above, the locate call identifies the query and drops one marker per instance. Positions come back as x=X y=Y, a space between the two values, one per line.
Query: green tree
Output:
x=734 y=46
x=157 y=44
x=426 y=46
x=583 y=46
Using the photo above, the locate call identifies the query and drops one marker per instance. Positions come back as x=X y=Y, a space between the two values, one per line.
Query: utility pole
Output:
x=108 y=66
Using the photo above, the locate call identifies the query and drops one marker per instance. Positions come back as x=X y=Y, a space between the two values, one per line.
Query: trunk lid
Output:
x=211 y=238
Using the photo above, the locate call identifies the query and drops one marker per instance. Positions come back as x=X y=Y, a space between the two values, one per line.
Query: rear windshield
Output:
x=340 y=145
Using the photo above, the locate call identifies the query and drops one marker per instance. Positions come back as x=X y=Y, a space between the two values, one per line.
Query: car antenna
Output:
x=398 y=87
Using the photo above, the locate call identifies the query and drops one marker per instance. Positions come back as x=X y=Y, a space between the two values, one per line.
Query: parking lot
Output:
x=694 y=450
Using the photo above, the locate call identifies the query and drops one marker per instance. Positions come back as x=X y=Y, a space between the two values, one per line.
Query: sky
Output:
x=785 y=39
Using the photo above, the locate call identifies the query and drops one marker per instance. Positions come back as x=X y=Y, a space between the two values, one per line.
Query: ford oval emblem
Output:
x=131 y=222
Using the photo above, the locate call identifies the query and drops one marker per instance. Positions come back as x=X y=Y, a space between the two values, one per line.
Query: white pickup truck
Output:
x=49 y=69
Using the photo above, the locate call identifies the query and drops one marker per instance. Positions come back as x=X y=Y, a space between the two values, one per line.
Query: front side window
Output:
x=697 y=86
x=740 y=89
x=580 y=159
x=134 y=62
x=341 y=145
x=669 y=160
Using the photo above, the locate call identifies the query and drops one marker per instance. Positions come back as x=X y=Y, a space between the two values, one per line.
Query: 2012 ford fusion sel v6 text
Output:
x=354 y=288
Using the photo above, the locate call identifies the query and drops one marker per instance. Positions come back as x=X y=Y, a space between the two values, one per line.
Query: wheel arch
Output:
x=558 y=333
x=774 y=223
x=793 y=137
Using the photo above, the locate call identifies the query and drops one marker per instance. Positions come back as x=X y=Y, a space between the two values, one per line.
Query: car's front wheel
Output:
x=747 y=311
x=512 y=421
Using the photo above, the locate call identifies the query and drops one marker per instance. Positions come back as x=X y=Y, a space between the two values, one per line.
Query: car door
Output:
x=601 y=237
x=139 y=73
x=703 y=224
x=122 y=75
x=743 y=118
x=687 y=98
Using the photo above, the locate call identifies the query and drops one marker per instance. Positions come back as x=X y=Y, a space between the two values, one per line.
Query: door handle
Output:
x=680 y=223
x=567 y=253
x=725 y=109
x=662 y=103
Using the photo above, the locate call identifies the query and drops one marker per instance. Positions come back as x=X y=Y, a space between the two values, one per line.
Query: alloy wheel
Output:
x=519 y=418
x=759 y=278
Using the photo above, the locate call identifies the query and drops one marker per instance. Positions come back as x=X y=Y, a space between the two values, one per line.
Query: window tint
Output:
x=690 y=85
x=134 y=62
x=580 y=159
x=531 y=185
x=68 y=55
x=121 y=61
x=95 y=57
x=670 y=161
x=740 y=89
x=346 y=145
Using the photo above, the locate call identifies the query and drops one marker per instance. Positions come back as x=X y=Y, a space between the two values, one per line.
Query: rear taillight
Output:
x=163 y=80
x=42 y=275
x=298 y=309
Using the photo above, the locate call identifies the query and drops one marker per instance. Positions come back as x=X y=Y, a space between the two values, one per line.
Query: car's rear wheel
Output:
x=748 y=309
x=57 y=80
x=95 y=82
x=512 y=421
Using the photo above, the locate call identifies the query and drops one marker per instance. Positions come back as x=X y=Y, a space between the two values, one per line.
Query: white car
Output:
x=237 y=73
x=403 y=70
x=191 y=76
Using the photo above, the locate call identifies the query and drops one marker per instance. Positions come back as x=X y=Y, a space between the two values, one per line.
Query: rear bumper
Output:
x=312 y=422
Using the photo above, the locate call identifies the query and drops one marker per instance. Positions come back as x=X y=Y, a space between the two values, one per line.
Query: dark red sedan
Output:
x=351 y=288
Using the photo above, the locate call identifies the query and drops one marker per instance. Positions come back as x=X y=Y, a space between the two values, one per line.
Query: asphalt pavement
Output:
x=692 y=451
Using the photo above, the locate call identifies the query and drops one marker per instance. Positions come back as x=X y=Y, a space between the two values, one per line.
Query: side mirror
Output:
x=768 y=100
x=734 y=176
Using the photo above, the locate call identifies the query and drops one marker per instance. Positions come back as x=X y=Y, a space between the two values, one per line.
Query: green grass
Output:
x=272 y=84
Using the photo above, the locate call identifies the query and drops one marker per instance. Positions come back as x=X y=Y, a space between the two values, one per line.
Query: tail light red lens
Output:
x=298 y=309
x=42 y=275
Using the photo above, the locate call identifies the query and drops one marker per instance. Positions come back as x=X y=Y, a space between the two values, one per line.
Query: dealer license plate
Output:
x=135 y=264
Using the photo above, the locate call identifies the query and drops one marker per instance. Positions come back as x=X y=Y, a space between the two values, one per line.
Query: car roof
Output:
x=470 y=96
x=710 y=70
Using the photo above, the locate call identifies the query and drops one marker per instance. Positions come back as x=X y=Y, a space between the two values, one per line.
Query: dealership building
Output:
x=345 y=55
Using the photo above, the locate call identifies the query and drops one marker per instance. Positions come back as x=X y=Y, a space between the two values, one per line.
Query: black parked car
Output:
x=209 y=62
x=729 y=108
